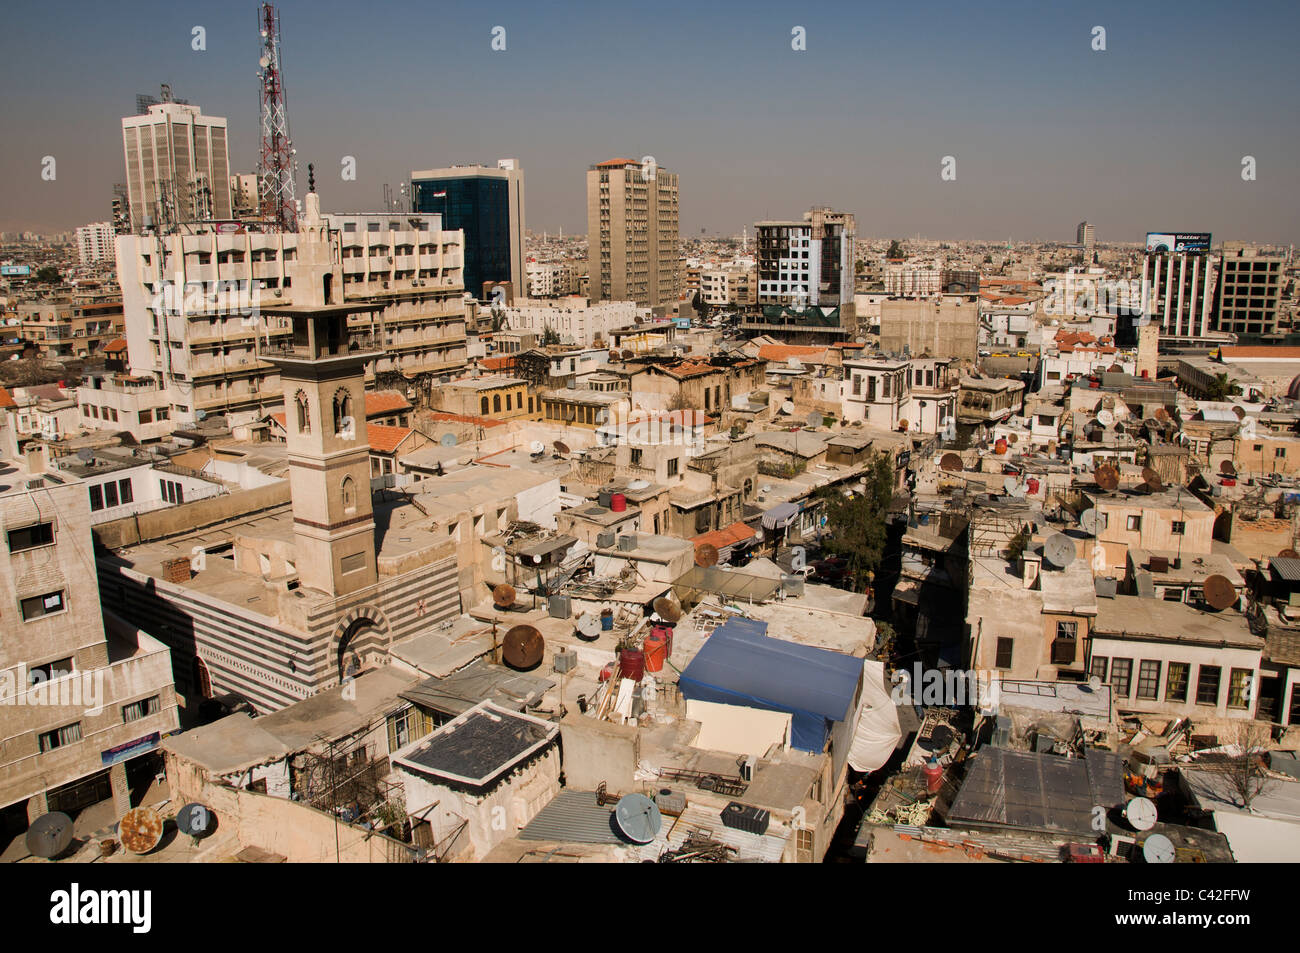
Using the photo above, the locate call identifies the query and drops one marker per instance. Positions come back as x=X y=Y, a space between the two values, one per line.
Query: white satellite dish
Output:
x=639 y=485
x=448 y=439
x=1158 y=849
x=588 y=626
x=1094 y=683
x=787 y=407
x=1059 y=550
x=1106 y=418
x=537 y=447
x=1088 y=521
x=1248 y=425
x=1141 y=814
x=795 y=364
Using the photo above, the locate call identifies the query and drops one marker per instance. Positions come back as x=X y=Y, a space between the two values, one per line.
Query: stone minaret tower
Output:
x=329 y=453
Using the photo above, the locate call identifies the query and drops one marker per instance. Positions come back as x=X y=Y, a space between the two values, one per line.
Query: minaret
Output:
x=322 y=374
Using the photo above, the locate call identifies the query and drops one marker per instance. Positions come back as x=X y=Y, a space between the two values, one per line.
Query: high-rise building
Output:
x=488 y=206
x=632 y=210
x=177 y=166
x=809 y=263
x=1250 y=290
x=1086 y=236
x=95 y=242
x=1178 y=283
x=244 y=203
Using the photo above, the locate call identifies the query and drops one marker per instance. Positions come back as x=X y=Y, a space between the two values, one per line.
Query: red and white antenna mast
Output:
x=278 y=163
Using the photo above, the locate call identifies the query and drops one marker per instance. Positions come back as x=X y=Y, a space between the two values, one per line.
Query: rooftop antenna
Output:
x=276 y=168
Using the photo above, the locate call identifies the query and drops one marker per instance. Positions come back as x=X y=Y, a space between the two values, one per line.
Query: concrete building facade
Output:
x=632 y=237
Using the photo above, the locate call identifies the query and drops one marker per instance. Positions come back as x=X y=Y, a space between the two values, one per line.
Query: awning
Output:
x=780 y=516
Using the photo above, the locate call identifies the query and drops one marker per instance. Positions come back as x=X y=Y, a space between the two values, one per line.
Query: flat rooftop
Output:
x=1159 y=621
x=478 y=746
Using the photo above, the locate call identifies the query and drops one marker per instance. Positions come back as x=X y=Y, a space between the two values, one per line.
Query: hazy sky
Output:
x=1148 y=135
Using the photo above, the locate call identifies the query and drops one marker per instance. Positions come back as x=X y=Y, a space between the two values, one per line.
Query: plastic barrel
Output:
x=656 y=651
x=618 y=502
x=631 y=664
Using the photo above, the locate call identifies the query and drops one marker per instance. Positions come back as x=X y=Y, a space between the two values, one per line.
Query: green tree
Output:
x=549 y=336
x=895 y=250
x=858 y=525
x=1220 y=388
x=48 y=274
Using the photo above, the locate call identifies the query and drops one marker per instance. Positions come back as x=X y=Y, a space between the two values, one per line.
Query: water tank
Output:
x=604 y=497
x=626 y=543
x=559 y=607
x=933 y=772
x=656 y=651
x=618 y=502
x=631 y=664
x=566 y=661
x=605 y=540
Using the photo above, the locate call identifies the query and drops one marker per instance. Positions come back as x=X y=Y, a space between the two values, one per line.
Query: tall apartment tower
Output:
x=95 y=242
x=809 y=263
x=488 y=205
x=1178 y=289
x=1086 y=235
x=177 y=166
x=1250 y=290
x=632 y=244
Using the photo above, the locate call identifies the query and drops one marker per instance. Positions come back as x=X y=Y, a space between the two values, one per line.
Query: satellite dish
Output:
x=448 y=439
x=794 y=364
x=194 y=819
x=669 y=610
x=1059 y=550
x=1107 y=476
x=706 y=554
x=503 y=596
x=1158 y=849
x=1106 y=418
x=50 y=835
x=814 y=419
x=588 y=627
x=951 y=462
x=1219 y=592
x=1152 y=479
x=523 y=647
x=1094 y=683
x=1010 y=484
x=560 y=447
x=1239 y=411
x=638 y=818
x=1088 y=521
x=537 y=447
x=1287 y=554
x=787 y=407
x=140 y=830
x=639 y=485
x=627 y=355
x=1227 y=469
x=1141 y=814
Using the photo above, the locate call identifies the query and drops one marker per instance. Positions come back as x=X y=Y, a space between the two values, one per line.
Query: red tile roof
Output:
x=386 y=439
x=783 y=352
x=6 y=398
x=505 y=362
x=281 y=419
x=114 y=346
x=385 y=402
x=727 y=536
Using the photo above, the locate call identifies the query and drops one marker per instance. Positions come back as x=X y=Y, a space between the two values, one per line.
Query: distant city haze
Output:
x=1045 y=131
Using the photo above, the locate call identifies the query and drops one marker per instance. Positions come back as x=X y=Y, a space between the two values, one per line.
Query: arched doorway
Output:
x=201 y=678
x=360 y=635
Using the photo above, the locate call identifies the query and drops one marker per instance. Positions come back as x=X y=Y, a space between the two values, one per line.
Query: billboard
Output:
x=1178 y=241
x=15 y=271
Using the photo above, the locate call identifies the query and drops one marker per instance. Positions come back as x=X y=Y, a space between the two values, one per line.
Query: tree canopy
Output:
x=858 y=525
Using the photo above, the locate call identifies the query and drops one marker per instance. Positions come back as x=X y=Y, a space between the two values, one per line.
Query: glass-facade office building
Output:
x=481 y=207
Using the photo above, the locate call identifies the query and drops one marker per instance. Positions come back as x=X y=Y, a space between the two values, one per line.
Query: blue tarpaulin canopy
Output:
x=740 y=665
x=780 y=515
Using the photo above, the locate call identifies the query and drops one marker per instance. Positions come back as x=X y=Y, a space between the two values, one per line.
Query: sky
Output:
x=1148 y=134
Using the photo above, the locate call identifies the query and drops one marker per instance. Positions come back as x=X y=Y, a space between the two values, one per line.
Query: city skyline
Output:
x=860 y=120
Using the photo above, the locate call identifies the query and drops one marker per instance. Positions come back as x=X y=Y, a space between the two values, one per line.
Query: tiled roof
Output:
x=386 y=439
x=385 y=402
x=115 y=345
x=6 y=398
x=783 y=352
x=727 y=536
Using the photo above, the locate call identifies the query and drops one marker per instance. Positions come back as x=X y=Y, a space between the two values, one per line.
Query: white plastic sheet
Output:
x=877 y=732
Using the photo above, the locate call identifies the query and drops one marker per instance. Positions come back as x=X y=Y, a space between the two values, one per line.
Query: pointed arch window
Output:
x=343 y=412
x=349 y=495
x=304 y=412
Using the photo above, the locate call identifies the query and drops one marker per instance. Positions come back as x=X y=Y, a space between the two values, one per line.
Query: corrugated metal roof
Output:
x=1286 y=568
x=573 y=817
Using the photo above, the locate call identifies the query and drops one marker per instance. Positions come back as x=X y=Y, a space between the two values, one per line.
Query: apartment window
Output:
x=50 y=670
x=1239 y=688
x=124 y=491
x=1004 y=653
x=141 y=709
x=37 y=606
x=1134 y=523
x=405 y=727
x=96 y=499
x=59 y=737
x=30 y=537
x=857 y=385
x=1178 y=527
x=1149 y=679
x=1064 y=648
x=1279 y=453
x=1207 y=684
x=672 y=467
x=1100 y=664
x=636 y=457
x=1121 y=671
x=110 y=494
x=1176 y=682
